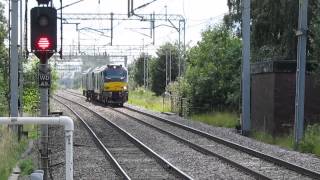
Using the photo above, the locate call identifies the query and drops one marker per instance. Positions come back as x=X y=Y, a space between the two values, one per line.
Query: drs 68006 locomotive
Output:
x=107 y=84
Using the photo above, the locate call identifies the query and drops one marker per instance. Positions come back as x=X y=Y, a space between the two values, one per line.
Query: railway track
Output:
x=232 y=164
x=265 y=157
x=275 y=165
x=131 y=158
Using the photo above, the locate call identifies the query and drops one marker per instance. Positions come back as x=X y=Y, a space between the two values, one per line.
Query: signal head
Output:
x=43 y=32
x=43 y=43
x=43 y=21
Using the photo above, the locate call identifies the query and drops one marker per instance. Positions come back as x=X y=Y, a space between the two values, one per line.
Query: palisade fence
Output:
x=177 y=104
x=182 y=106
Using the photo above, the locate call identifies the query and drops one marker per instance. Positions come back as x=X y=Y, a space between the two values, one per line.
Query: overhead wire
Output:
x=205 y=21
x=168 y=36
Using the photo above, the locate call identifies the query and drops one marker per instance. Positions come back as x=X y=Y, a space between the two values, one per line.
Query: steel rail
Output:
x=198 y=148
x=266 y=157
x=98 y=142
x=166 y=164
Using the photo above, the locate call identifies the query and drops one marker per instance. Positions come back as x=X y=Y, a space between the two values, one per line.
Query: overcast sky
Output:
x=198 y=13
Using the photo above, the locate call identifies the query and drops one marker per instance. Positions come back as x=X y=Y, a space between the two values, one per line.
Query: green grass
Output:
x=220 y=119
x=311 y=140
x=148 y=100
x=26 y=166
x=10 y=151
x=283 y=141
x=32 y=131
x=309 y=144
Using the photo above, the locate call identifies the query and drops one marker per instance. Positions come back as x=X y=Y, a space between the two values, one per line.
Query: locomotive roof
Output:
x=108 y=66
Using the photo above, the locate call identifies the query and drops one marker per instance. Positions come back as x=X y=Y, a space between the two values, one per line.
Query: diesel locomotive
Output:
x=107 y=84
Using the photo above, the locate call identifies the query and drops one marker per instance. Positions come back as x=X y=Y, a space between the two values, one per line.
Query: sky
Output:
x=199 y=14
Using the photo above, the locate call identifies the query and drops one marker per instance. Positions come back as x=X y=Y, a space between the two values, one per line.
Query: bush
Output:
x=311 y=140
x=26 y=166
x=214 y=70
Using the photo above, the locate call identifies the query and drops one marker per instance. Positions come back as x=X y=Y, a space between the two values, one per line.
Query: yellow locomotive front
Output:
x=115 y=87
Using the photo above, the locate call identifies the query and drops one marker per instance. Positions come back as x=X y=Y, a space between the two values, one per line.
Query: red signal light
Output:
x=43 y=43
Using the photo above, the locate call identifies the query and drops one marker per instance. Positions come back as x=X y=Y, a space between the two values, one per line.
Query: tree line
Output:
x=274 y=26
x=4 y=63
x=212 y=75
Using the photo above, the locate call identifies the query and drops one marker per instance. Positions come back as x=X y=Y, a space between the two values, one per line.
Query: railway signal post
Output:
x=44 y=45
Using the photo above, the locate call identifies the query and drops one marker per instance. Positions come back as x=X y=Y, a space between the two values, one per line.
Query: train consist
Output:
x=107 y=84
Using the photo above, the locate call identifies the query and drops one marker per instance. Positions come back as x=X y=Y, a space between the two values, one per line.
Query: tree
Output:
x=138 y=69
x=274 y=24
x=314 y=33
x=3 y=64
x=158 y=67
x=213 y=71
x=31 y=96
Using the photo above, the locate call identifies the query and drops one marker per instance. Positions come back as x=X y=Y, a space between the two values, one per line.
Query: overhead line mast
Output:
x=174 y=21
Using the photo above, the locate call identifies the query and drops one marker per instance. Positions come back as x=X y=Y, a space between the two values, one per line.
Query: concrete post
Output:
x=246 y=84
x=301 y=71
x=14 y=62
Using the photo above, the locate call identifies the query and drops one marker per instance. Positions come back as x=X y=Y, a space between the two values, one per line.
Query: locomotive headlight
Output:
x=125 y=87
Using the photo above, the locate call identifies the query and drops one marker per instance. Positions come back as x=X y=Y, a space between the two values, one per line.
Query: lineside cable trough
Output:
x=65 y=121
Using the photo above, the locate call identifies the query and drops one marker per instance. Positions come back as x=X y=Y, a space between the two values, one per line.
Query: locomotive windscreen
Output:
x=115 y=74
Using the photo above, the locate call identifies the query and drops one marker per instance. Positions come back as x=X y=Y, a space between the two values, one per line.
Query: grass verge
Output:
x=220 y=119
x=26 y=166
x=147 y=99
x=311 y=140
x=285 y=141
x=10 y=151
x=309 y=144
x=32 y=131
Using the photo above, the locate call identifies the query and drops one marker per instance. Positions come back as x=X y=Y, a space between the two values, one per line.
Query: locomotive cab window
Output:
x=115 y=74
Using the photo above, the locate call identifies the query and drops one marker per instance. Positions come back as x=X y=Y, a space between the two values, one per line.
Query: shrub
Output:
x=26 y=166
x=311 y=140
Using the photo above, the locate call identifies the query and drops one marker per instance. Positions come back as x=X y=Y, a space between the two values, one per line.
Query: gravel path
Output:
x=89 y=161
